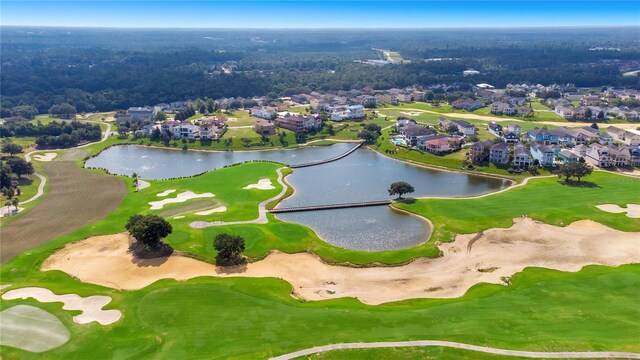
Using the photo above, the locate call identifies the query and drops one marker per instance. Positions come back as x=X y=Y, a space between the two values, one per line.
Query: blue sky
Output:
x=319 y=14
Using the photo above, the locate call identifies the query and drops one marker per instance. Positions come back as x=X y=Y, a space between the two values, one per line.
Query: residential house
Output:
x=632 y=137
x=268 y=113
x=616 y=133
x=514 y=128
x=590 y=100
x=439 y=144
x=499 y=153
x=412 y=132
x=599 y=155
x=299 y=124
x=462 y=126
x=567 y=156
x=212 y=129
x=479 y=151
x=565 y=112
x=141 y=113
x=511 y=138
x=264 y=128
x=620 y=156
x=351 y=112
x=543 y=154
x=186 y=131
x=524 y=111
x=466 y=104
x=495 y=128
x=404 y=122
x=522 y=156
x=543 y=136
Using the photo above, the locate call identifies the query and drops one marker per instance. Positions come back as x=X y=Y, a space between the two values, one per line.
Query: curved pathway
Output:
x=43 y=180
x=262 y=209
x=472 y=116
x=457 y=345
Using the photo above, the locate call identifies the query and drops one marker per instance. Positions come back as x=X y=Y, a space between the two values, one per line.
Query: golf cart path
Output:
x=503 y=119
x=43 y=180
x=262 y=209
x=457 y=345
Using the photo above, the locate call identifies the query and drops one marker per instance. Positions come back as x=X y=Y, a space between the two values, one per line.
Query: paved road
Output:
x=43 y=180
x=456 y=345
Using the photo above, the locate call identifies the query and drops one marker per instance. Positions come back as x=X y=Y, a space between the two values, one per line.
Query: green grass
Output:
x=248 y=318
x=425 y=353
x=545 y=199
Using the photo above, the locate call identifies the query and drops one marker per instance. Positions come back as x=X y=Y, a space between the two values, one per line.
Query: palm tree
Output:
x=8 y=205
x=15 y=202
x=135 y=180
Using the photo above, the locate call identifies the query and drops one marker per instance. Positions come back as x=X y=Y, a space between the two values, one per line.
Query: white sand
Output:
x=9 y=210
x=32 y=329
x=143 y=184
x=166 y=192
x=211 y=211
x=632 y=210
x=182 y=197
x=263 y=184
x=4 y=286
x=45 y=157
x=90 y=306
x=498 y=253
x=178 y=217
x=411 y=113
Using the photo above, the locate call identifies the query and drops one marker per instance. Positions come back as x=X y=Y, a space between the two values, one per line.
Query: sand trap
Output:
x=45 y=157
x=179 y=217
x=211 y=211
x=2 y=287
x=632 y=210
x=263 y=184
x=9 y=210
x=415 y=113
x=90 y=306
x=32 y=329
x=166 y=192
x=470 y=260
x=182 y=197
x=143 y=184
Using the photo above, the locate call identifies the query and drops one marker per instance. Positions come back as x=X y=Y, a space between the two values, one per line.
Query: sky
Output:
x=319 y=14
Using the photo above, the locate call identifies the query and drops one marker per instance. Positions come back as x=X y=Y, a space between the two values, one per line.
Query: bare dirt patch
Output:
x=632 y=210
x=76 y=198
x=90 y=306
x=104 y=260
x=32 y=329
x=211 y=211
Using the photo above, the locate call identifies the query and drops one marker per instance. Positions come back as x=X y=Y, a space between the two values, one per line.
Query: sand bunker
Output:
x=90 y=306
x=182 y=197
x=9 y=210
x=45 y=157
x=414 y=113
x=179 y=217
x=263 y=184
x=32 y=329
x=632 y=210
x=166 y=192
x=211 y=211
x=143 y=184
x=471 y=259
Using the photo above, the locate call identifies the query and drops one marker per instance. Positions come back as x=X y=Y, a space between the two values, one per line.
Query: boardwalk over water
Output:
x=335 y=158
x=331 y=206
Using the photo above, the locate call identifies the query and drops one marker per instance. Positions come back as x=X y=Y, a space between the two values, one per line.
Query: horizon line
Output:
x=601 y=26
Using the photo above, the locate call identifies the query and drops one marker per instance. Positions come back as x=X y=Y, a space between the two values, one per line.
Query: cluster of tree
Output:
x=400 y=188
x=53 y=133
x=149 y=230
x=12 y=168
x=229 y=248
x=92 y=72
x=576 y=170
x=370 y=133
x=185 y=114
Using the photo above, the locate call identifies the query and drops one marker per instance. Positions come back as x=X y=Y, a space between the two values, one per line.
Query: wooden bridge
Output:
x=330 y=206
x=335 y=158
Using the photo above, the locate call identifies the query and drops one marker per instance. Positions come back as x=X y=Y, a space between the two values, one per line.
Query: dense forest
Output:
x=108 y=69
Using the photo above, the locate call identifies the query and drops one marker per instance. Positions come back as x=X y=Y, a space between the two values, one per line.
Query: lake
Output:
x=362 y=176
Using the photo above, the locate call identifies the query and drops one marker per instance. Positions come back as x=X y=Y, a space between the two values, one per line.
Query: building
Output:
x=268 y=113
x=514 y=128
x=299 y=124
x=511 y=138
x=479 y=151
x=495 y=128
x=499 y=153
x=543 y=154
x=186 y=131
x=212 y=130
x=522 y=156
x=411 y=133
x=438 y=144
x=264 y=128
x=599 y=155
x=470 y=72
x=349 y=113
x=567 y=156
x=141 y=114
x=462 y=126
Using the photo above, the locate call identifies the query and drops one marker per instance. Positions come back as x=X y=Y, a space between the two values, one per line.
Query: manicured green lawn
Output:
x=594 y=309
x=424 y=353
x=545 y=199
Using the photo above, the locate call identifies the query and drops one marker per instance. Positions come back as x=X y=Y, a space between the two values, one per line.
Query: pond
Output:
x=362 y=176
